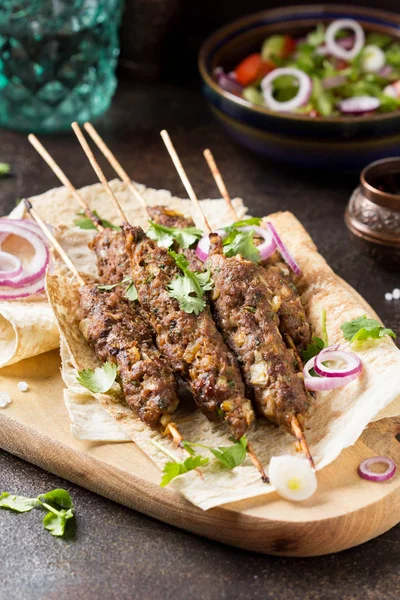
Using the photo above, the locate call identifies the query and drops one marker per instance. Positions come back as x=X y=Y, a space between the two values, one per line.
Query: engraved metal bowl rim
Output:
x=378 y=197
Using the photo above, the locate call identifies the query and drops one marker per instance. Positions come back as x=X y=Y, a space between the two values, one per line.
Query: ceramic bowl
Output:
x=346 y=143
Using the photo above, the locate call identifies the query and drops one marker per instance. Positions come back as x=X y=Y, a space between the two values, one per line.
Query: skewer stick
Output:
x=53 y=241
x=122 y=174
x=182 y=174
x=97 y=169
x=299 y=434
x=220 y=182
x=64 y=180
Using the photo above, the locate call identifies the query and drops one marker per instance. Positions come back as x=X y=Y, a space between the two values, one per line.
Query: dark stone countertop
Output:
x=118 y=553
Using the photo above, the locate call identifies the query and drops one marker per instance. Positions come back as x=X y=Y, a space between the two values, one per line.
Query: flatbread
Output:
x=336 y=418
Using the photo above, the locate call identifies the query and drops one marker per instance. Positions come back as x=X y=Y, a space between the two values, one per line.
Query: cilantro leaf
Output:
x=246 y=222
x=55 y=522
x=5 y=169
x=59 y=497
x=109 y=287
x=363 y=328
x=230 y=456
x=19 y=504
x=131 y=292
x=100 y=380
x=313 y=348
x=242 y=242
x=166 y=236
x=189 y=288
x=86 y=223
x=173 y=469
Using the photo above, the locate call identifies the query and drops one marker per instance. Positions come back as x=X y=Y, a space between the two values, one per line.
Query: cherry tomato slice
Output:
x=252 y=68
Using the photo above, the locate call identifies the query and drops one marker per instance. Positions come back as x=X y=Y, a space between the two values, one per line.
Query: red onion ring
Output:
x=284 y=252
x=365 y=472
x=300 y=99
x=335 y=48
x=36 y=268
x=25 y=224
x=353 y=362
x=28 y=290
x=9 y=260
x=227 y=81
x=359 y=105
x=266 y=249
x=327 y=382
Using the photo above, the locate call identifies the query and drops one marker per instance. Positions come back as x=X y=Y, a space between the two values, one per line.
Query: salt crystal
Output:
x=4 y=399
x=22 y=386
x=388 y=296
x=396 y=293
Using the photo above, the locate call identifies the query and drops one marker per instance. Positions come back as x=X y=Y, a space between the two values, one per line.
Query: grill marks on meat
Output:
x=292 y=316
x=244 y=310
x=112 y=259
x=192 y=344
x=112 y=327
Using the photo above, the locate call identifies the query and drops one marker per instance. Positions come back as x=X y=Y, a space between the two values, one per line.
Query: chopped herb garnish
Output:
x=363 y=328
x=245 y=223
x=58 y=503
x=130 y=293
x=86 y=223
x=251 y=309
x=185 y=237
x=175 y=468
x=5 y=169
x=230 y=456
x=100 y=380
x=189 y=288
x=241 y=242
x=317 y=344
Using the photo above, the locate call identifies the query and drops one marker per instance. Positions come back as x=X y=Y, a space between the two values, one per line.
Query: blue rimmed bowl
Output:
x=345 y=143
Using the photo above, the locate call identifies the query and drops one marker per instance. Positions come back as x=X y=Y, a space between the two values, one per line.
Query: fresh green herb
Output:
x=189 y=288
x=100 y=380
x=241 y=242
x=230 y=456
x=19 y=504
x=58 y=503
x=251 y=309
x=317 y=37
x=363 y=328
x=108 y=288
x=244 y=223
x=130 y=293
x=86 y=223
x=166 y=236
x=317 y=344
x=321 y=99
x=5 y=169
x=173 y=469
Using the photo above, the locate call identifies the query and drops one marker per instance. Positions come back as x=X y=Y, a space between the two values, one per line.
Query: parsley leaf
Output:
x=363 y=328
x=108 y=288
x=19 y=504
x=86 y=223
x=245 y=223
x=166 y=236
x=5 y=169
x=55 y=522
x=100 y=380
x=131 y=292
x=173 y=469
x=313 y=348
x=242 y=242
x=182 y=287
x=58 y=497
x=230 y=456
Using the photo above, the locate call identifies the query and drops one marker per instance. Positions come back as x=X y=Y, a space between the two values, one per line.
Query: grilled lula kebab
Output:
x=191 y=342
x=243 y=308
x=293 y=322
x=116 y=329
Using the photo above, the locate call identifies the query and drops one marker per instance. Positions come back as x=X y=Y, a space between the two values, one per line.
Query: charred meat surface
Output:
x=171 y=218
x=246 y=313
x=192 y=344
x=112 y=327
x=112 y=260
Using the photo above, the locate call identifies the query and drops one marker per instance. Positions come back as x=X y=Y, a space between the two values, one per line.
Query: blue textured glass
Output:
x=57 y=61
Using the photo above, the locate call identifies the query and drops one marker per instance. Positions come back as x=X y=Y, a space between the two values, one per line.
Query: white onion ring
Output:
x=353 y=363
x=7 y=259
x=327 y=382
x=36 y=268
x=335 y=48
x=266 y=249
x=365 y=473
x=300 y=99
x=284 y=252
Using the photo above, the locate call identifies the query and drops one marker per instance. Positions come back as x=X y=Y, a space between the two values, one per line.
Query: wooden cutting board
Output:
x=344 y=512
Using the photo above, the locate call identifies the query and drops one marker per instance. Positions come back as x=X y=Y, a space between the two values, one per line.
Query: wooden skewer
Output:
x=220 y=182
x=96 y=167
x=53 y=240
x=122 y=174
x=184 y=178
x=64 y=180
x=299 y=434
